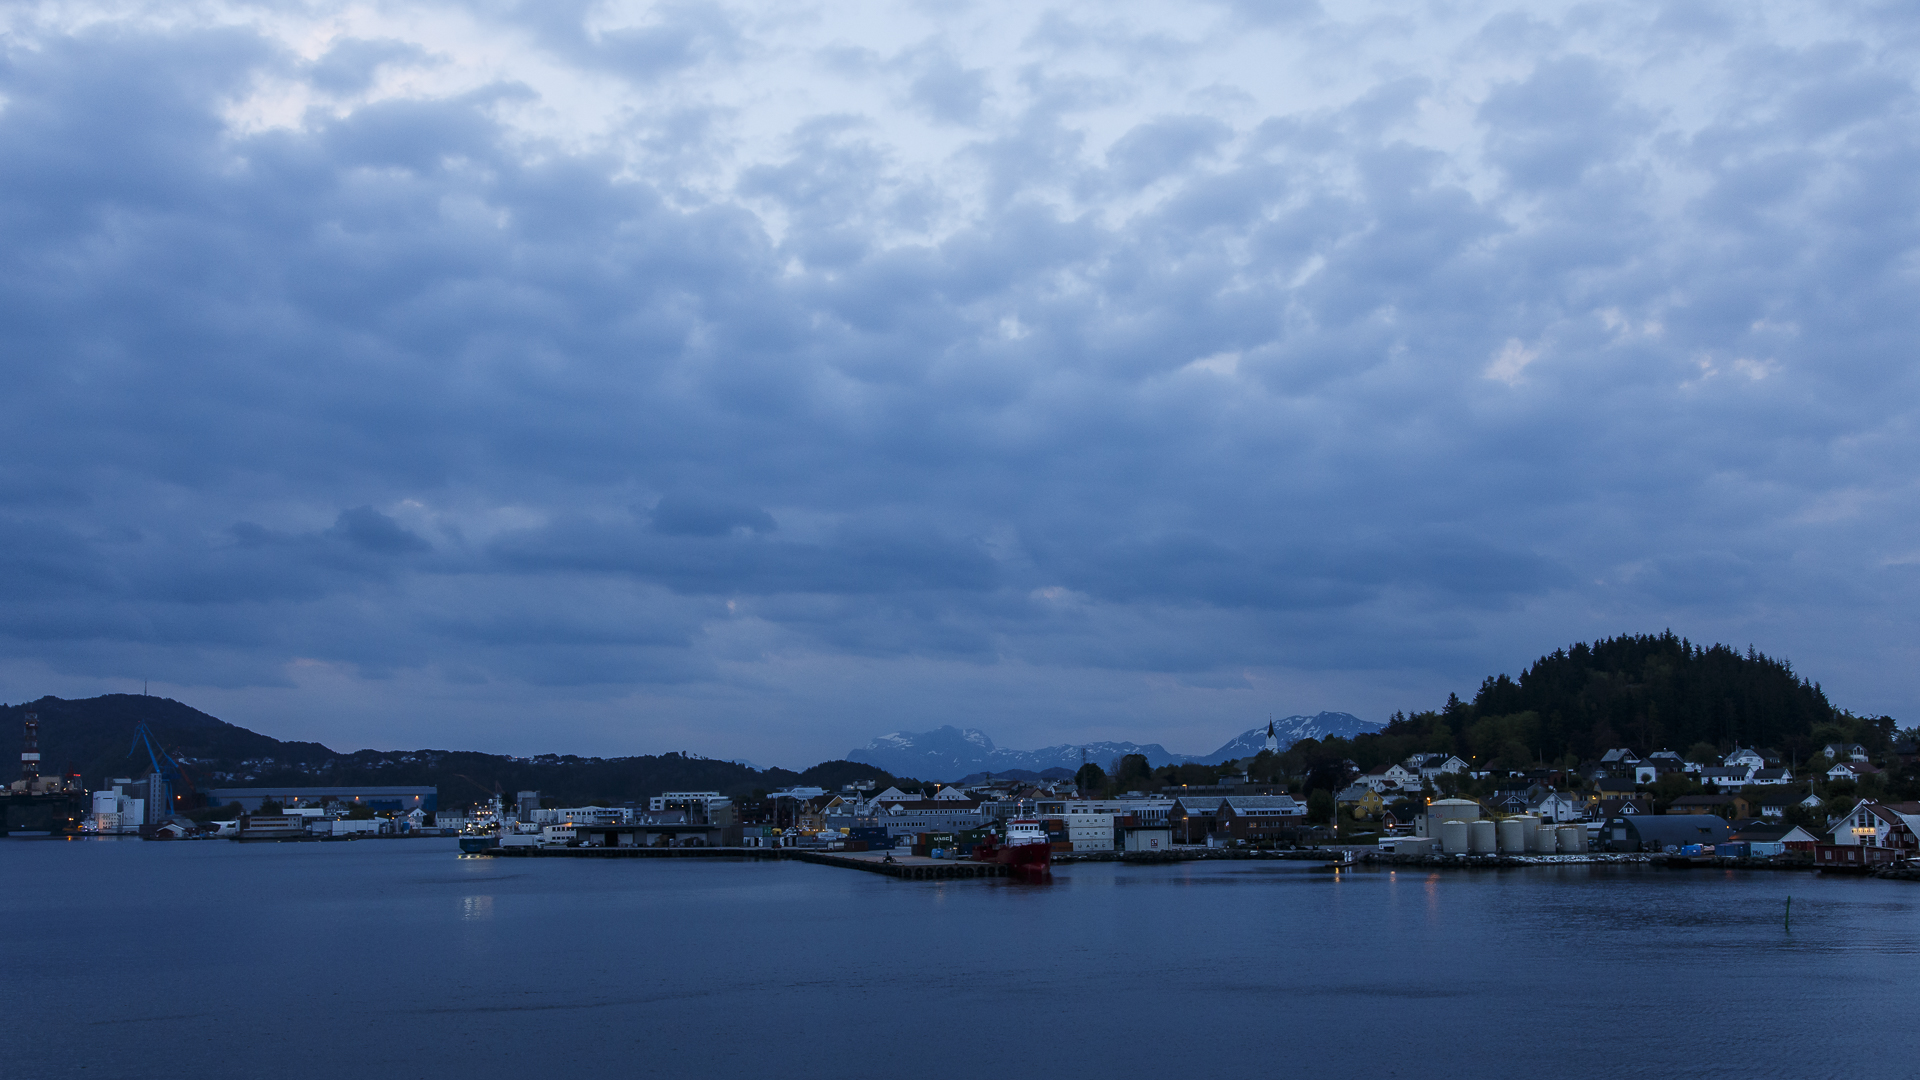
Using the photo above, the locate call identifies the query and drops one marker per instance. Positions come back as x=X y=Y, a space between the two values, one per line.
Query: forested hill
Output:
x=1645 y=692
x=94 y=736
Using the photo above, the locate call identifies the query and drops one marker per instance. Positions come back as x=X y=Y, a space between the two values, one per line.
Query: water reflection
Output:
x=360 y=965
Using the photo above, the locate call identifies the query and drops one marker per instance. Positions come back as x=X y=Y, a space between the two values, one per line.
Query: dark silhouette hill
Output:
x=94 y=735
x=1643 y=692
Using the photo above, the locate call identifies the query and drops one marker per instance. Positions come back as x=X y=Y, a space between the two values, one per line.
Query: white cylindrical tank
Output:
x=1482 y=838
x=1453 y=837
x=1542 y=840
x=1454 y=809
x=1573 y=839
x=1512 y=836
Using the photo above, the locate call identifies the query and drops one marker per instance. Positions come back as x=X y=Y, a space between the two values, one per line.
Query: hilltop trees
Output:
x=1642 y=691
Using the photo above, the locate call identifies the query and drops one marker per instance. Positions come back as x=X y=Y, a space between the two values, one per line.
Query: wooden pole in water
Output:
x=1789 y=914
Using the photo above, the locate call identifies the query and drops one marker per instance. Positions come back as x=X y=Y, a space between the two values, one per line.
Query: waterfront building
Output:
x=1253 y=818
x=397 y=798
x=1882 y=825
x=707 y=801
x=1663 y=832
x=910 y=818
x=1089 y=830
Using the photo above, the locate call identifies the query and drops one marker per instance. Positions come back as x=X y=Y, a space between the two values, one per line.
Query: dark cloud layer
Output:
x=1132 y=429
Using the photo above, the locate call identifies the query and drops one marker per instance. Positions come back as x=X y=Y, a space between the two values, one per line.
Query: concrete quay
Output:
x=902 y=867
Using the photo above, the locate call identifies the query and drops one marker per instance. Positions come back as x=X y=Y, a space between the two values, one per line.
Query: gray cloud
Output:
x=1116 y=416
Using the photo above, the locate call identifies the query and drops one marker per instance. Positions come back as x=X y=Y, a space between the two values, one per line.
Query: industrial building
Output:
x=424 y=799
x=1664 y=832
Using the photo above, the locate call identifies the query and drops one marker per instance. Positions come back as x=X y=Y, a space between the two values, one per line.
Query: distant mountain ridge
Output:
x=950 y=753
x=1292 y=729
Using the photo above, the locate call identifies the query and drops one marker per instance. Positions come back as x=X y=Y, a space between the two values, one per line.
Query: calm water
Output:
x=396 y=959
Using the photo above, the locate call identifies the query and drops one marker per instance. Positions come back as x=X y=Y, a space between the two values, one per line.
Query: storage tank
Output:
x=1512 y=835
x=1545 y=838
x=1573 y=839
x=1481 y=838
x=1453 y=837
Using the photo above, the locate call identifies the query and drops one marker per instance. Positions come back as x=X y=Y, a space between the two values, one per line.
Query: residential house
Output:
x=1612 y=808
x=1507 y=803
x=1432 y=766
x=1615 y=787
x=1745 y=758
x=1653 y=768
x=1844 y=752
x=1772 y=801
x=954 y=794
x=1728 y=776
x=1771 y=776
x=1881 y=825
x=1558 y=807
x=1361 y=800
x=1851 y=770
x=1395 y=777
x=1619 y=759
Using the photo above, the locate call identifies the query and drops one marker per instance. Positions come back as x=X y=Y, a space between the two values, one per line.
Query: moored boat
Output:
x=1025 y=848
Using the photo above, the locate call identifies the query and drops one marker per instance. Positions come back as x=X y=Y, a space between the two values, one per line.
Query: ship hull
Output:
x=474 y=845
x=1021 y=858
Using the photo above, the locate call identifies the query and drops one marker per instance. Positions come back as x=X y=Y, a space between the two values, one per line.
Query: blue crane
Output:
x=172 y=777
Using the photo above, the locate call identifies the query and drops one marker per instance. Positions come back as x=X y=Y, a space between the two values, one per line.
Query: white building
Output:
x=706 y=800
x=1560 y=808
x=1089 y=830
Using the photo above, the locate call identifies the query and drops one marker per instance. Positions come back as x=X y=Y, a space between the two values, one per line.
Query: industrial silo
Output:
x=1573 y=839
x=1540 y=839
x=1512 y=835
x=1444 y=810
x=1453 y=837
x=1482 y=838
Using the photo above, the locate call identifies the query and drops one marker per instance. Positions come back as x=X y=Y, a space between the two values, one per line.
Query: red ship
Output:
x=1025 y=850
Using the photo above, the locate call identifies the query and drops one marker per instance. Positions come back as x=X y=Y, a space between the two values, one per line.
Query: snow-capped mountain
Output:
x=948 y=753
x=1291 y=730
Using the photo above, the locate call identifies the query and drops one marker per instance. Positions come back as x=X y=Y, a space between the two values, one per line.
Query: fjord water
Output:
x=397 y=959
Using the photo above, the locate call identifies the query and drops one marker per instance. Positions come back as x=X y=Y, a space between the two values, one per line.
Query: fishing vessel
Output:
x=1024 y=849
x=483 y=833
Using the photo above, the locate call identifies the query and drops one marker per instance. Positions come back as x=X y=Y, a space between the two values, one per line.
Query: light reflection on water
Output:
x=395 y=958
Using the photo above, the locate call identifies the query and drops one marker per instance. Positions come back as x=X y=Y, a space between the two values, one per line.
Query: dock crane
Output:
x=176 y=786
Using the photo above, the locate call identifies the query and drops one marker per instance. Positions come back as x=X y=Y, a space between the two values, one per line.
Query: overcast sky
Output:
x=754 y=379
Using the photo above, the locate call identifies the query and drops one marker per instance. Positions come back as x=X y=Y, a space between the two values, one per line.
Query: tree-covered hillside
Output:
x=93 y=735
x=1644 y=692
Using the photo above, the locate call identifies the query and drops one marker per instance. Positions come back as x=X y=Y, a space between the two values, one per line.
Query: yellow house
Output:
x=1365 y=801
